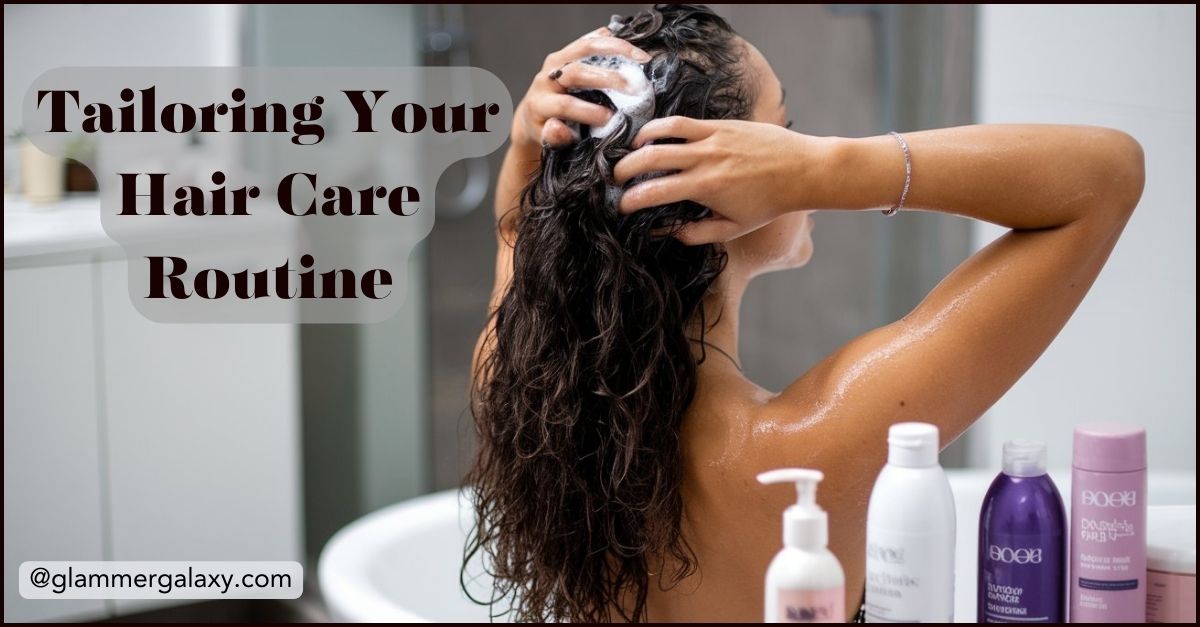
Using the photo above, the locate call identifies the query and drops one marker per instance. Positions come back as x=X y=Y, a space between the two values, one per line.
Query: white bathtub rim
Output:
x=343 y=566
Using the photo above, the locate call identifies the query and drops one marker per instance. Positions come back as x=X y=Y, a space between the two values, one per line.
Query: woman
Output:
x=618 y=437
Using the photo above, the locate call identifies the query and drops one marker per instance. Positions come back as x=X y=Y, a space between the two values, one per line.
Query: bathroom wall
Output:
x=365 y=386
x=178 y=35
x=1129 y=352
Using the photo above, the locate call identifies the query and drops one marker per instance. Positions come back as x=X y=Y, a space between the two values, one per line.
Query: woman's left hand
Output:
x=747 y=173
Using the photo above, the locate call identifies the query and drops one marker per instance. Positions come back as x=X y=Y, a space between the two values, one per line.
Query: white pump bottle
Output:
x=805 y=582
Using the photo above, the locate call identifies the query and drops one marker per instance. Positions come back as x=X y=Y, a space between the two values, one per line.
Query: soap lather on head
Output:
x=634 y=103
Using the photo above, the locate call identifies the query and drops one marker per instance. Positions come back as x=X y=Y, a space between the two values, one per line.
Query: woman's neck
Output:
x=721 y=308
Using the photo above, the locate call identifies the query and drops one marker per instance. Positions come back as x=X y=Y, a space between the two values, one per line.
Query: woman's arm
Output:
x=1066 y=191
x=519 y=163
x=1023 y=176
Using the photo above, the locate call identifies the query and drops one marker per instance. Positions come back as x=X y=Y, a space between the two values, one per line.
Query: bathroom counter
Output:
x=69 y=225
x=69 y=230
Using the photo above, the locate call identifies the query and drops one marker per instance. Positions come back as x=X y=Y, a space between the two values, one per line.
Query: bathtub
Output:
x=401 y=563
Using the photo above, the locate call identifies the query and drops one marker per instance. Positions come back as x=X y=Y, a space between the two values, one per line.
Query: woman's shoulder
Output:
x=731 y=418
x=743 y=429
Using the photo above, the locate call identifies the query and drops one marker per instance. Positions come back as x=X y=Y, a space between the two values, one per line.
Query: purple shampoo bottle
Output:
x=1022 y=542
x=1108 y=520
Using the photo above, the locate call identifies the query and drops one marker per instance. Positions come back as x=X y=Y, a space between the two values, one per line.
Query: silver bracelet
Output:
x=907 y=174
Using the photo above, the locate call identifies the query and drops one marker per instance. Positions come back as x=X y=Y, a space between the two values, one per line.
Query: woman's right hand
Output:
x=541 y=115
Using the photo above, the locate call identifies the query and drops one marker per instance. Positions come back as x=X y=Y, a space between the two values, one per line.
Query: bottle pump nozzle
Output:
x=805 y=525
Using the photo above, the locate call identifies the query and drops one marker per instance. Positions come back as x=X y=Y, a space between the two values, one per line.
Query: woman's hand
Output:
x=546 y=106
x=747 y=173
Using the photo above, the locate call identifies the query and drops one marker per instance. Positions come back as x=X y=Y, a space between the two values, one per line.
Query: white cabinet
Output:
x=203 y=437
x=126 y=439
x=53 y=474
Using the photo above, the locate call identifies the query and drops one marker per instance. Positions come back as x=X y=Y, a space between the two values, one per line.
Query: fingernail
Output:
x=555 y=74
x=641 y=55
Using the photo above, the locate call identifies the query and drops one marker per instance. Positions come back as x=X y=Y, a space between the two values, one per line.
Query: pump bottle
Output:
x=805 y=582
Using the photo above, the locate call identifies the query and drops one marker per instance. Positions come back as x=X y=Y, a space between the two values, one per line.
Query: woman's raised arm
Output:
x=1066 y=192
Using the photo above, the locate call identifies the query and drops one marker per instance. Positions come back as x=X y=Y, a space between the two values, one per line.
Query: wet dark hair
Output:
x=578 y=406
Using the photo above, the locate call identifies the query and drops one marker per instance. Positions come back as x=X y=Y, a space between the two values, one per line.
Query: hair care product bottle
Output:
x=1022 y=542
x=1108 y=519
x=805 y=583
x=910 y=532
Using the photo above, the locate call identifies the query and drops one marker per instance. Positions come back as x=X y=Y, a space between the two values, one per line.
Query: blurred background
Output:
x=113 y=452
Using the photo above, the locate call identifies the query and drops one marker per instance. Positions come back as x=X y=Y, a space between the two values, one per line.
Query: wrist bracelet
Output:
x=907 y=174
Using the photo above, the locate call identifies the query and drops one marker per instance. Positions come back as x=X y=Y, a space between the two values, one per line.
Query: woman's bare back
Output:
x=733 y=523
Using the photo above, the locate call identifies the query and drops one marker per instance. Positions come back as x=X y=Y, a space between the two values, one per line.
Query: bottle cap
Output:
x=805 y=525
x=1110 y=447
x=913 y=445
x=1024 y=458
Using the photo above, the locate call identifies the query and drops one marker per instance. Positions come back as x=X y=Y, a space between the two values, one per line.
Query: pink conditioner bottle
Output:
x=1108 y=520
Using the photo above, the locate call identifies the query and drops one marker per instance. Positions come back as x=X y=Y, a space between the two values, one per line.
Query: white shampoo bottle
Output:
x=910 y=532
x=805 y=582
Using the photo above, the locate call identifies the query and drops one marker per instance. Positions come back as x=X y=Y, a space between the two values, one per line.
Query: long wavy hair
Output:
x=578 y=406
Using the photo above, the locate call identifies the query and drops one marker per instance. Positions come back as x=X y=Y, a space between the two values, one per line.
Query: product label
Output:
x=1022 y=579
x=1108 y=547
x=811 y=606
x=910 y=578
x=1170 y=597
